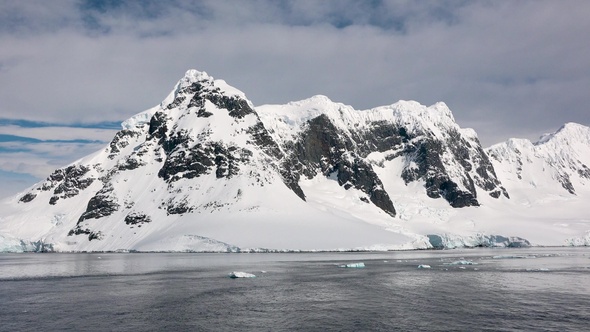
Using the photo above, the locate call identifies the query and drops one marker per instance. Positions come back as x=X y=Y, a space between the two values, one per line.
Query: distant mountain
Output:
x=207 y=171
x=557 y=162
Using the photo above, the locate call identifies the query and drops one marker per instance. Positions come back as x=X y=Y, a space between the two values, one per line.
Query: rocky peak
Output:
x=193 y=76
x=436 y=151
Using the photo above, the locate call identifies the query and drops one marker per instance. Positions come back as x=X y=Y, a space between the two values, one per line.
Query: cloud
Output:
x=60 y=133
x=41 y=159
x=13 y=182
x=507 y=69
x=32 y=152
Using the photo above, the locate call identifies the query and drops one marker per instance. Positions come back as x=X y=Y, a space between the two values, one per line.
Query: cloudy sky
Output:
x=71 y=71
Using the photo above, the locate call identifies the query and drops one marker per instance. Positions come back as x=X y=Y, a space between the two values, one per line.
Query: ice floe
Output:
x=237 y=274
x=461 y=262
x=354 y=265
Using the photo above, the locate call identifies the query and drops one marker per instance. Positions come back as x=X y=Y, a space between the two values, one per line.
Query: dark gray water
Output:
x=542 y=290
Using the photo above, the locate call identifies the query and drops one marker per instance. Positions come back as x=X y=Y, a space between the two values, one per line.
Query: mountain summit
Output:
x=207 y=171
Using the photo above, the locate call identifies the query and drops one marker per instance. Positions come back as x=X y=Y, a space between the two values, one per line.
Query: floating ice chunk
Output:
x=543 y=269
x=424 y=266
x=461 y=262
x=238 y=274
x=354 y=265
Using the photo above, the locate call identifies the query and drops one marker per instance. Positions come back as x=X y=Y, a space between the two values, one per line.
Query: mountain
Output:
x=207 y=171
x=555 y=163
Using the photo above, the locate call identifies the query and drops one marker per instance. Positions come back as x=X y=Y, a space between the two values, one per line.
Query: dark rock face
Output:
x=178 y=206
x=485 y=177
x=360 y=175
x=203 y=159
x=322 y=149
x=432 y=170
x=204 y=90
x=27 y=198
x=136 y=218
x=457 y=198
x=130 y=163
x=261 y=138
x=101 y=205
x=158 y=127
x=120 y=141
x=564 y=179
x=381 y=137
x=474 y=166
x=320 y=145
x=91 y=235
x=237 y=107
x=584 y=171
x=67 y=182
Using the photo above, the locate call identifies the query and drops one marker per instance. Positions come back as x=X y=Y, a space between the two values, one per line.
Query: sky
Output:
x=71 y=71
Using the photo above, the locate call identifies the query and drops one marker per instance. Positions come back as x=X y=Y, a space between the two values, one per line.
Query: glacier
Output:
x=208 y=171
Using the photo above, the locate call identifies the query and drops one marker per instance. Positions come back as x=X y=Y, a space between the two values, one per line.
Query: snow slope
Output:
x=207 y=171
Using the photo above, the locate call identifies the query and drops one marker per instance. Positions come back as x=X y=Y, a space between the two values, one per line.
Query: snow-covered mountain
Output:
x=556 y=163
x=207 y=171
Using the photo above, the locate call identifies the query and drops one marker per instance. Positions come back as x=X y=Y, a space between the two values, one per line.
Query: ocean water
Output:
x=541 y=289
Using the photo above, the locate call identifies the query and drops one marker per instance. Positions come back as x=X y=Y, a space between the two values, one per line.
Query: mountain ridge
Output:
x=206 y=170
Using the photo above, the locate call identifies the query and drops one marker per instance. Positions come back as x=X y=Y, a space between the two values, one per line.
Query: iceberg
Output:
x=354 y=265
x=424 y=266
x=461 y=262
x=237 y=274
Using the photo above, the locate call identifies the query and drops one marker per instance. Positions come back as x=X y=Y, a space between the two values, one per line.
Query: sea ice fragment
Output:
x=354 y=265
x=237 y=274
x=461 y=262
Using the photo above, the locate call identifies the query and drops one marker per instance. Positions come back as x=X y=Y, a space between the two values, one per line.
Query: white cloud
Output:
x=60 y=133
x=41 y=159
